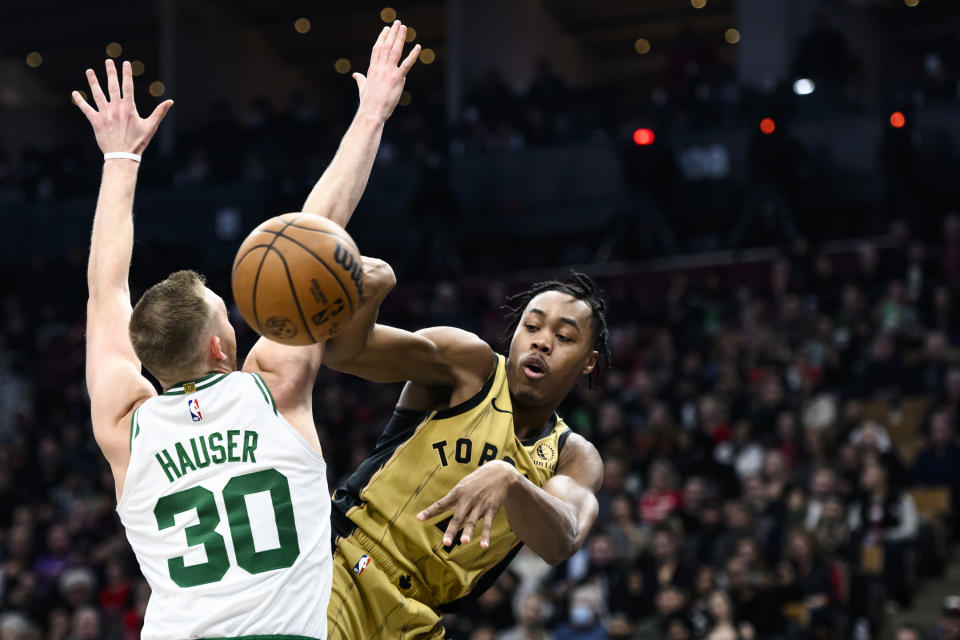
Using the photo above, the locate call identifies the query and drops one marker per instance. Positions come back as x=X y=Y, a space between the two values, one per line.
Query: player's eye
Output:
x=563 y=338
x=530 y=327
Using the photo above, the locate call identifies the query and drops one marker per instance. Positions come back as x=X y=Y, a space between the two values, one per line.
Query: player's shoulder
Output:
x=579 y=457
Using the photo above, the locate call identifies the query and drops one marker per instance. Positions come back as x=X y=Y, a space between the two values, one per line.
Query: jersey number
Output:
x=204 y=531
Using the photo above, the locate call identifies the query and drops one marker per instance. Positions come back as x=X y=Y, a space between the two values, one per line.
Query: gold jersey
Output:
x=419 y=458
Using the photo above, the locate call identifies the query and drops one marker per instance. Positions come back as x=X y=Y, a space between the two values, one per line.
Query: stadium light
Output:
x=803 y=87
x=643 y=137
x=302 y=25
x=897 y=120
x=768 y=126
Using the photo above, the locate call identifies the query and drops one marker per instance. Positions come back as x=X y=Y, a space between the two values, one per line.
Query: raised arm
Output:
x=114 y=381
x=290 y=372
x=338 y=191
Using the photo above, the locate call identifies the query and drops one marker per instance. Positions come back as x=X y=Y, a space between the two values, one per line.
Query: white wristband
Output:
x=122 y=154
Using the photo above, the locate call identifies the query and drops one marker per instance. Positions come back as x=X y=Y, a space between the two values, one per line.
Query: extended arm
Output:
x=114 y=381
x=553 y=520
x=338 y=191
x=290 y=372
x=437 y=356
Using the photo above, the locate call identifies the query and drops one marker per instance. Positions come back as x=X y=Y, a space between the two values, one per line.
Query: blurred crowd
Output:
x=763 y=427
x=279 y=141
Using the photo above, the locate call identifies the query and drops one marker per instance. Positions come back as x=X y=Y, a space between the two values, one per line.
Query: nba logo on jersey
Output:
x=361 y=564
x=194 y=410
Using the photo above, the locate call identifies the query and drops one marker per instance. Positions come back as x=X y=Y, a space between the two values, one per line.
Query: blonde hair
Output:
x=169 y=324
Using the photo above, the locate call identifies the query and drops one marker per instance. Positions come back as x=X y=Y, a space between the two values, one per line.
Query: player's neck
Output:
x=530 y=421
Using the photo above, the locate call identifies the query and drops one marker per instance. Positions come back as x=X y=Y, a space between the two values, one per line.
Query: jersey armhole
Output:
x=265 y=391
x=562 y=440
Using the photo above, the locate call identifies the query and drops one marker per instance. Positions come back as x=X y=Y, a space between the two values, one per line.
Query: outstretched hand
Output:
x=476 y=499
x=116 y=123
x=380 y=89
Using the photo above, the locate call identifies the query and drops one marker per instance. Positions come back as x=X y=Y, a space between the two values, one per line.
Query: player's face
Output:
x=223 y=329
x=550 y=350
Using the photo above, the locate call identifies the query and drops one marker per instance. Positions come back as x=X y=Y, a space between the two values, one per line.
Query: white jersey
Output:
x=227 y=509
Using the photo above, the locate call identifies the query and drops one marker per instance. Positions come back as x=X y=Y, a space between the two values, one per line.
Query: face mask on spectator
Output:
x=581 y=615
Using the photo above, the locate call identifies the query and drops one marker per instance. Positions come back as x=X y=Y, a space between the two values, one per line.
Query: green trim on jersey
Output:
x=264 y=638
x=134 y=423
x=265 y=390
x=200 y=383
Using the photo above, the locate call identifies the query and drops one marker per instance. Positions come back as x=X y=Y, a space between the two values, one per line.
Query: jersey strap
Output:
x=265 y=390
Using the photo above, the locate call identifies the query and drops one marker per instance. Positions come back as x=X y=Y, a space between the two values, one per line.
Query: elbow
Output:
x=378 y=280
x=567 y=543
x=561 y=552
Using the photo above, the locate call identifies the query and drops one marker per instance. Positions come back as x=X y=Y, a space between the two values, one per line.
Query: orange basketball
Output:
x=297 y=278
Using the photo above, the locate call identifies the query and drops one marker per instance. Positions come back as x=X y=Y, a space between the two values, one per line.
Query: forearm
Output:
x=552 y=528
x=336 y=194
x=111 y=243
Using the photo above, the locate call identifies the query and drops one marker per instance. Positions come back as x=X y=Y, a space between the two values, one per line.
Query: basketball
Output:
x=297 y=278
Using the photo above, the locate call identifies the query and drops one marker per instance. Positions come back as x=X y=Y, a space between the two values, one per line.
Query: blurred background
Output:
x=766 y=191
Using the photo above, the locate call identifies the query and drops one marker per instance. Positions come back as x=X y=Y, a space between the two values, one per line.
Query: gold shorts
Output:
x=366 y=601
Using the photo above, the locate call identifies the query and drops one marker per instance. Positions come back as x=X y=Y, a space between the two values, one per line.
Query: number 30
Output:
x=204 y=531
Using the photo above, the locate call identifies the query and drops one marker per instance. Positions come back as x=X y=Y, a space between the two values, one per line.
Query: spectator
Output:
x=85 y=625
x=585 y=615
x=822 y=485
x=725 y=626
x=532 y=615
x=886 y=518
x=662 y=498
x=938 y=464
x=627 y=535
x=663 y=566
x=909 y=631
x=741 y=452
x=948 y=627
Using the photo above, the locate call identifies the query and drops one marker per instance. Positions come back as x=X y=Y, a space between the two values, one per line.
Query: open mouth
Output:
x=534 y=368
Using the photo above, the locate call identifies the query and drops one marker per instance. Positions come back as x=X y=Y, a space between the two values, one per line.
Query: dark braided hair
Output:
x=581 y=287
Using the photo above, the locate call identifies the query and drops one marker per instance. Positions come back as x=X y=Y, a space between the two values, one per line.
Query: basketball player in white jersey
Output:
x=220 y=481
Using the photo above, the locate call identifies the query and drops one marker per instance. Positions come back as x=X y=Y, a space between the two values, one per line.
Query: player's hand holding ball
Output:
x=116 y=124
x=380 y=89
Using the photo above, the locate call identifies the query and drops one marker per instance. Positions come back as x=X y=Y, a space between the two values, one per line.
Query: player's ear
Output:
x=215 y=349
x=591 y=363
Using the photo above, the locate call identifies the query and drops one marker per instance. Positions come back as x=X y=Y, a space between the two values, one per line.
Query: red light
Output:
x=897 y=120
x=643 y=137
x=768 y=126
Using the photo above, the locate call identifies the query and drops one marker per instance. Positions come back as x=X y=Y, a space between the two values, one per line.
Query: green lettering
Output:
x=249 y=445
x=219 y=453
x=205 y=461
x=185 y=460
x=232 y=445
x=168 y=465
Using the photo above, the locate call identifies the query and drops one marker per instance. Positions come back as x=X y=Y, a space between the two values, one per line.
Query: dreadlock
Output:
x=581 y=287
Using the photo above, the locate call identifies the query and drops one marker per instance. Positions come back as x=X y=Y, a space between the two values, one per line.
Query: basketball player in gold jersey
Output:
x=475 y=442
